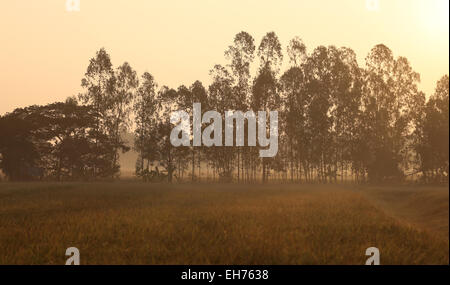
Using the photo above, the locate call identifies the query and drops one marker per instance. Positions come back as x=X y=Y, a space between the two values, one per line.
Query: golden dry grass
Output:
x=134 y=223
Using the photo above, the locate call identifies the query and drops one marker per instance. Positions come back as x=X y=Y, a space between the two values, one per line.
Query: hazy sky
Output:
x=45 y=49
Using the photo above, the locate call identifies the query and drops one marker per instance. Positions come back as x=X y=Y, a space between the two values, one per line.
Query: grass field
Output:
x=134 y=223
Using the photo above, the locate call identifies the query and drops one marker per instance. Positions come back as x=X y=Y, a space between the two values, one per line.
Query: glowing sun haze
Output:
x=45 y=49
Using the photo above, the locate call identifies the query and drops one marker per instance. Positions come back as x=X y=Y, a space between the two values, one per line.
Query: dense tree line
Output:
x=58 y=141
x=339 y=122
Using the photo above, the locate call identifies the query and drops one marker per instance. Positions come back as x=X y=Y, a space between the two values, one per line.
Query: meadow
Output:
x=136 y=223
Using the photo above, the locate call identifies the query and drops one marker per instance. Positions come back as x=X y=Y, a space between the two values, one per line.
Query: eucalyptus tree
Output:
x=346 y=100
x=265 y=95
x=292 y=87
x=145 y=110
x=199 y=95
x=120 y=102
x=433 y=144
x=390 y=89
x=319 y=74
x=98 y=83
x=241 y=54
x=220 y=91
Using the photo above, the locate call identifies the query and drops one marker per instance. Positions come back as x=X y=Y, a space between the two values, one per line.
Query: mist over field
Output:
x=136 y=223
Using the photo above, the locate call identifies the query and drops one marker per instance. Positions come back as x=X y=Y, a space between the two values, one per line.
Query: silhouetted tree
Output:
x=56 y=141
x=389 y=86
x=265 y=93
x=433 y=144
x=120 y=102
x=145 y=109
x=99 y=83
x=241 y=54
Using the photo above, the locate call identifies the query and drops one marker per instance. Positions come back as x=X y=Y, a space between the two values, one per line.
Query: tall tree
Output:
x=265 y=93
x=220 y=90
x=390 y=85
x=145 y=109
x=120 y=102
x=433 y=145
x=241 y=55
x=98 y=83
